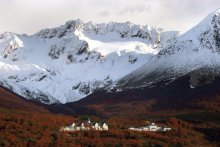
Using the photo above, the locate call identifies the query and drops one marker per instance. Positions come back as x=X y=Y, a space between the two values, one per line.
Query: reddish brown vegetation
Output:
x=11 y=100
x=25 y=128
x=36 y=129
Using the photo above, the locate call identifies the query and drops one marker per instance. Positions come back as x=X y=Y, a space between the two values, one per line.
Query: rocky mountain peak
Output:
x=125 y=30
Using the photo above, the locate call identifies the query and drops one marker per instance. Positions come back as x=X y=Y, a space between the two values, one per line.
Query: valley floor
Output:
x=21 y=128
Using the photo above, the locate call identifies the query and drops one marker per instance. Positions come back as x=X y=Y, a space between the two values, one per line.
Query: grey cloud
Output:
x=134 y=9
x=29 y=16
x=104 y=13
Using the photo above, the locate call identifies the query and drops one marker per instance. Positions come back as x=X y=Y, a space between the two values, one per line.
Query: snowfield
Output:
x=196 y=50
x=67 y=63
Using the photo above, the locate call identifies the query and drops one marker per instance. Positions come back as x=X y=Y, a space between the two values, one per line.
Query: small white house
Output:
x=73 y=125
x=69 y=128
x=82 y=126
x=135 y=129
x=105 y=127
x=77 y=129
x=97 y=127
x=165 y=129
x=153 y=127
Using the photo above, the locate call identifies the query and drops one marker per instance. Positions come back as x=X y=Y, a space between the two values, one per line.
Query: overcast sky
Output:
x=29 y=16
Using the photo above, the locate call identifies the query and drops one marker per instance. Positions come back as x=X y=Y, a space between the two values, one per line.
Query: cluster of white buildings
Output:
x=152 y=127
x=104 y=127
x=86 y=126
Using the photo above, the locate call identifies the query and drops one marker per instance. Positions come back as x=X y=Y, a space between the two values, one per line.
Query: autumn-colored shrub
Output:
x=20 y=128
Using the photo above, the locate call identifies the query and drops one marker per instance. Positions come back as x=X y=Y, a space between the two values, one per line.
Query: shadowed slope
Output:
x=164 y=99
x=11 y=100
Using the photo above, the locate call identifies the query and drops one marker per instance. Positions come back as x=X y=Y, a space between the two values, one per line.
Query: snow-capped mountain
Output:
x=195 y=53
x=67 y=63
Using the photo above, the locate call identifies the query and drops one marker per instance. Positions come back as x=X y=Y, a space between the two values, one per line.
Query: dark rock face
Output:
x=202 y=77
x=132 y=59
x=70 y=57
x=216 y=25
x=62 y=33
x=39 y=96
x=84 y=88
x=54 y=52
x=84 y=48
x=10 y=48
x=42 y=77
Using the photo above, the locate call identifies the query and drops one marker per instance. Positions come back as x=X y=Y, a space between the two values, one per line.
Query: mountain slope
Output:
x=196 y=53
x=70 y=62
x=183 y=77
x=172 y=99
x=67 y=63
x=13 y=101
